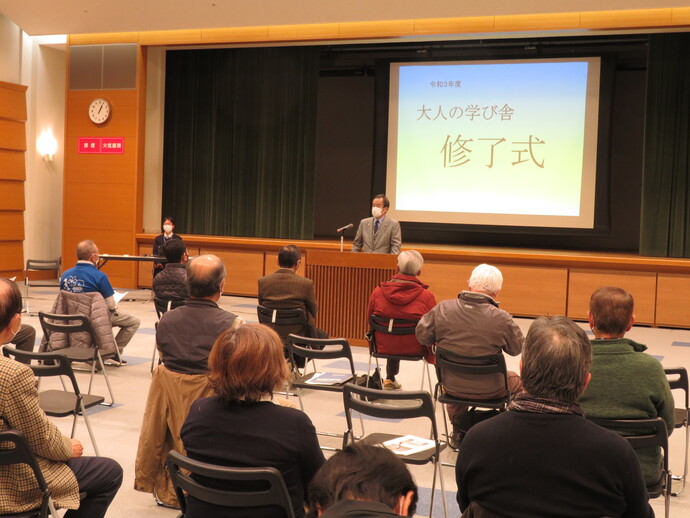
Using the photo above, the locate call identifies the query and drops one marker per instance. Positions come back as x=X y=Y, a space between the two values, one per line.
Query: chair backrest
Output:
x=679 y=383
x=392 y=326
x=67 y=324
x=20 y=453
x=281 y=317
x=319 y=349
x=640 y=433
x=44 y=264
x=45 y=365
x=164 y=305
x=264 y=486
x=363 y=400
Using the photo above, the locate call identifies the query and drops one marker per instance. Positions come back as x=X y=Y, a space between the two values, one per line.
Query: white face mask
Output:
x=376 y=212
x=167 y=228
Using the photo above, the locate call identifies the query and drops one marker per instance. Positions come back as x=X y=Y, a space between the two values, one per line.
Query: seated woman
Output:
x=242 y=427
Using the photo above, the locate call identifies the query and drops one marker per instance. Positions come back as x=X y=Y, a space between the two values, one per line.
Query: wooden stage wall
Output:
x=536 y=282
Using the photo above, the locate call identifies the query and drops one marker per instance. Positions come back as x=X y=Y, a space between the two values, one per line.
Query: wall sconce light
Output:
x=47 y=145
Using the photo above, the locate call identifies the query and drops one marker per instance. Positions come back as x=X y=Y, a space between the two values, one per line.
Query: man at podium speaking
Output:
x=378 y=234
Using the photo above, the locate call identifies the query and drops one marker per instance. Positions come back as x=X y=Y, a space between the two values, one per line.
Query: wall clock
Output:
x=99 y=111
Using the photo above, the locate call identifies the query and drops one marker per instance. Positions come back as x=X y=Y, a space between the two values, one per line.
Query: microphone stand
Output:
x=342 y=238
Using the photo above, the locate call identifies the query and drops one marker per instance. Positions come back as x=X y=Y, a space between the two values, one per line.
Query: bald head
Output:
x=85 y=249
x=205 y=276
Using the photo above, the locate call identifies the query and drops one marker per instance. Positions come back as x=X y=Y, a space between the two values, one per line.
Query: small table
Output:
x=104 y=258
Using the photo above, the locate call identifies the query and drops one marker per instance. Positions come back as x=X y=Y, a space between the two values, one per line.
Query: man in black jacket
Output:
x=171 y=283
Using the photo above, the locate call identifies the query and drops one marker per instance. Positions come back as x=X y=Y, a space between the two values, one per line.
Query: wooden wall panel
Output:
x=11 y=256
x=123 y=118
x=12 y=101
x=533 y=291
x=446 y=279
x=100 y=206
x=641 y=285
x=243 y=270
x=12 y=225
x=12 y=195
x=12 y=165
x=144 y=270
x=12 y=135
x=88 y=168
x=672 y=302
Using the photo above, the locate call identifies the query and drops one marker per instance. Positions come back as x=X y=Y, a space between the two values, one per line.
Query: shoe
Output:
x=455 y=440
x=115 y=363
x=391 y=385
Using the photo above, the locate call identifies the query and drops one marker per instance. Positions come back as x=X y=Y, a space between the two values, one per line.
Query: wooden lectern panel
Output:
x=343 y=282
x=672 y=300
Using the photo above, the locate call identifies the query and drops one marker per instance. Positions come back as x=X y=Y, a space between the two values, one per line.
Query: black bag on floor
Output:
x=468 y=419
x=373 y=381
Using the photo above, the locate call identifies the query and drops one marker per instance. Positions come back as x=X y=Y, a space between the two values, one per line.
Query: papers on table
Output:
x=409 y=445
x=328 y=378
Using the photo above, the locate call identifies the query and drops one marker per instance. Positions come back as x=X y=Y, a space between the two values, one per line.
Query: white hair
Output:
x=486 y=279
x=410 y=262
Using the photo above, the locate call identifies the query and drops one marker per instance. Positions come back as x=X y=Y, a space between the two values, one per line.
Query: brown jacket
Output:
x=19 y=410
x=285 y=289
x=471 y=325
x=92 y=305
x=170 y=396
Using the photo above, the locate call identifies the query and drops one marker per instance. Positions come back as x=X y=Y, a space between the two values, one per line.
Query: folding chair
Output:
x=247 y=487
x=681 y=415
x=284 y=321
x=68 y=324
x=394 y=327
x=41 y=265
x=318 y=349
x=20 y=453
x=459 y=366
x=59 y=403
x=419 y=404
x=162 y=306
x=646 y=433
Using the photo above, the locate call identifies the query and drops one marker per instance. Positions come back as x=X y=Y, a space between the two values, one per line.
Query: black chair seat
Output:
x=301 y=382
x=78 y=354
x=58 y=403
x=422 y=457
x=681 y=418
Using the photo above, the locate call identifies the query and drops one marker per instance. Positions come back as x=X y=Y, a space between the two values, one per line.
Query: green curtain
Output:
x=239 y=141
x=666 y=177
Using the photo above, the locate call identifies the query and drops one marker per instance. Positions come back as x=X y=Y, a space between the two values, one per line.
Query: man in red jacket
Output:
x=402 y=296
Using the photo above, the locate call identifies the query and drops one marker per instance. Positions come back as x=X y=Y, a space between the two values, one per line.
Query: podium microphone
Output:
x=343 y=229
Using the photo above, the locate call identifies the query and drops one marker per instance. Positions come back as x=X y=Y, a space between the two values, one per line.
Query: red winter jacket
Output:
x=402 y=296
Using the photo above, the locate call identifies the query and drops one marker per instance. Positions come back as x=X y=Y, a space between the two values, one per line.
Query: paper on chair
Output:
x=118 y=296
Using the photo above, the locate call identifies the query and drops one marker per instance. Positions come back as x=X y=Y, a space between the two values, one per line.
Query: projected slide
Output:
x=496 y=143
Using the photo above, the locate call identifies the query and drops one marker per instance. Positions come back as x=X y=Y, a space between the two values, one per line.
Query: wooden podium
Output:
x=343 y=282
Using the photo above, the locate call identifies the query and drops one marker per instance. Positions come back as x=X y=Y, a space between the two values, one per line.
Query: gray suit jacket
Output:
x=386 y=241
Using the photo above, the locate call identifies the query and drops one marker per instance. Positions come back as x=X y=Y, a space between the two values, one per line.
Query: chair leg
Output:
x=88 y=427
x=107 y=380
x=667 y=494
x=682 y=478
x=443 y=487
x=51 y=509
x=433 y=492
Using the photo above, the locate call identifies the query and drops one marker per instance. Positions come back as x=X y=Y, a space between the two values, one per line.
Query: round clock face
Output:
x=99 y=110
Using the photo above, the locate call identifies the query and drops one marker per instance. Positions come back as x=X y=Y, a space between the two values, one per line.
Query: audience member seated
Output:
x=171 y=283
x=626 y=382
x=242 y=426
x=66 y=472
x=85 y=277
x=402 y=296
x=542 y=457
x=363 y=481
x=285 y=289
x=474 y=325
x=185 y=335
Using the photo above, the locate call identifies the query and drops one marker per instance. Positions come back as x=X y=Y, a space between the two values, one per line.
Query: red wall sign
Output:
x=102 y=145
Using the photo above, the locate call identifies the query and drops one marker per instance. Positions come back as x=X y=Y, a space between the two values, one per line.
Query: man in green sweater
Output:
x=626 y=382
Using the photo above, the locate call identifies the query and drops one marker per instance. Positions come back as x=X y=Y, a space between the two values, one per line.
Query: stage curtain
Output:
x=238 y=155
x=666 y=178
